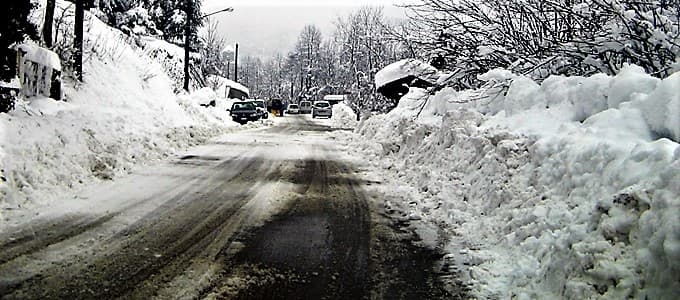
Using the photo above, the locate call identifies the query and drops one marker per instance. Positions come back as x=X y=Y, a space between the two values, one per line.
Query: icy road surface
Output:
x=267 y=213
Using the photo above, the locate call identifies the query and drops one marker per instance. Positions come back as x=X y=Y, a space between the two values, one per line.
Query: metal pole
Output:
x=236 y=63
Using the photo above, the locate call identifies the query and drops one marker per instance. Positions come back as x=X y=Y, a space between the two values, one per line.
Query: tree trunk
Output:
x=47 y=26
x=78 y=43
x=187 y=40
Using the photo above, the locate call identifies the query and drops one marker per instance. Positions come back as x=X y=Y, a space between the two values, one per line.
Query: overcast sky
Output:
x=263 y=27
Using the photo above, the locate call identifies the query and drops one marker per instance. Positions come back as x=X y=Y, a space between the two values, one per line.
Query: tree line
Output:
x=343 y=61
x=535 y=38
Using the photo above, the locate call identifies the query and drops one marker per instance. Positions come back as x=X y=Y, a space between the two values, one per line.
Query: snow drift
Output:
x=567 y=189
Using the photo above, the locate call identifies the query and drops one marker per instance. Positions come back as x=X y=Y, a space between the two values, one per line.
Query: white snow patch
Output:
x=343 y=116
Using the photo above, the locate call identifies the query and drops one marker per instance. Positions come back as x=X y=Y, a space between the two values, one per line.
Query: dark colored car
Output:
x=276 y=106
x=242 y=112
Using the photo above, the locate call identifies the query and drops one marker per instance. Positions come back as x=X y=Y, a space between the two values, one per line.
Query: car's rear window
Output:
x=243 y=106
x=293 y=106
x=322 y=104
x=305 y=104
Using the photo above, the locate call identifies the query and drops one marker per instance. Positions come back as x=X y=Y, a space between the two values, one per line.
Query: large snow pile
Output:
x=124 y=114
x=206 y=104
x=343 y=116
x=567 y=189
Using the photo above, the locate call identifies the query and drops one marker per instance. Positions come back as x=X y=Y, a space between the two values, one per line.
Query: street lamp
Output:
x=187 y=38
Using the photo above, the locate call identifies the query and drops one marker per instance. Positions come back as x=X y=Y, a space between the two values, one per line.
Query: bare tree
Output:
x=364 y=48
x=212 y=44
x=539 y=38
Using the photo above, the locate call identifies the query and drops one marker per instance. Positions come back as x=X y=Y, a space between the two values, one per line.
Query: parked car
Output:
x=305 y=107
x=322 y=109
x=243 y=111
x=261 y=108
x=293 y=109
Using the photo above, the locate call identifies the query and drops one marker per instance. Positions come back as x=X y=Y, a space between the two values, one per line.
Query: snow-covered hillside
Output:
x=125 y=113
x=567 y=189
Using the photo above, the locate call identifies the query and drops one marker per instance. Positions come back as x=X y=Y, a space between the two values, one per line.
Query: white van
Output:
x=305 y=107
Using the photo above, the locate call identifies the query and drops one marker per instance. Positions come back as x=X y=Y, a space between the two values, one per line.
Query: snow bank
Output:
x=199 y=104
x=570 y=190
x=575 y=99
x=124 y=114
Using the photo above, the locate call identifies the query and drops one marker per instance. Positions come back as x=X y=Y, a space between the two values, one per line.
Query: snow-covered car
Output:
x=293 y=109
x=305 y=107
x=322 y=109
x=243 y=111
x=261 y=108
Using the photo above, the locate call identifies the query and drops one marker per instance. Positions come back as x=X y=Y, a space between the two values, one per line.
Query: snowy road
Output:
x=272 y=212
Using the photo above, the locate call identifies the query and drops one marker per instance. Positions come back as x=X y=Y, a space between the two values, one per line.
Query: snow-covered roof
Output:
x=403 y=68
x=41 y=56
x=229 y=83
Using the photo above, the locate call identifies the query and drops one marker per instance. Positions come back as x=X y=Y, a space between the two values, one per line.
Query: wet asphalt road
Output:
x=266 y=214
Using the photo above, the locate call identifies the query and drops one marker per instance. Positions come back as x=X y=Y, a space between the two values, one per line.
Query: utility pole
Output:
x=187 y=39
x=78 y=43
x=236 y=63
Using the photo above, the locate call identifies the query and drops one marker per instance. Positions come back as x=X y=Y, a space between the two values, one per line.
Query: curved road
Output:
x=265 y=213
